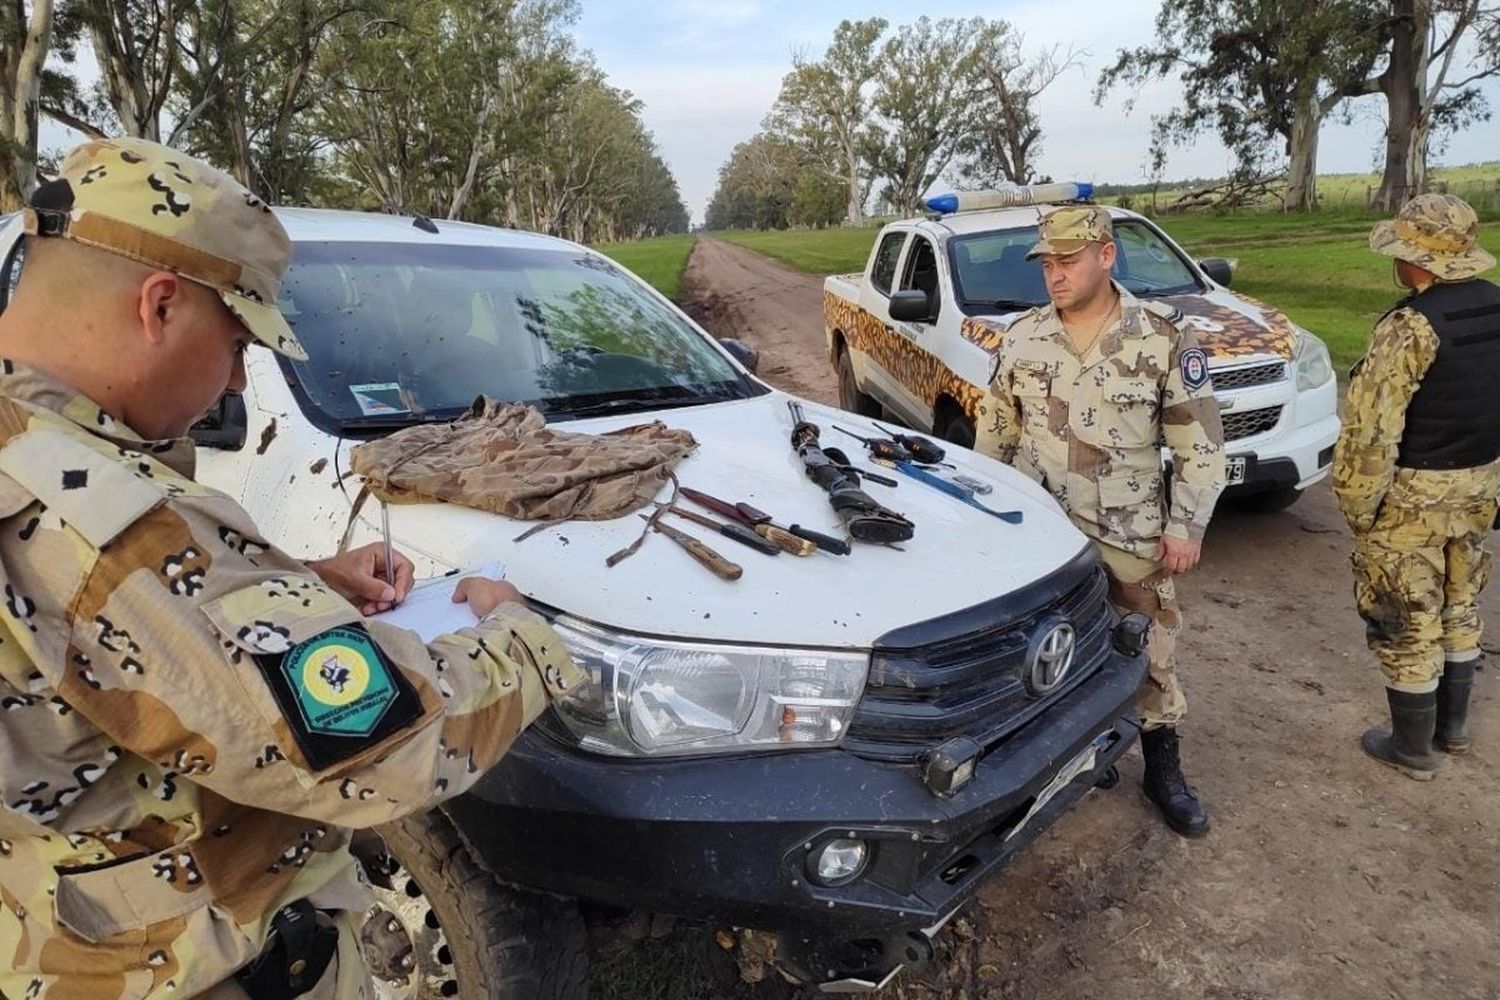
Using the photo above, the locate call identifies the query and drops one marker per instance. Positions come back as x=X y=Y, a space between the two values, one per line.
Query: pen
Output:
x=390 y=558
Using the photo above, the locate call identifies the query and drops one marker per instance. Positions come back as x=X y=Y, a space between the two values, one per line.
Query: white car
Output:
x=916 y=332
x=835 y=749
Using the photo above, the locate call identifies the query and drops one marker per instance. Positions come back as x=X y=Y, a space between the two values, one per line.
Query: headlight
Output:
x=1314 y=367
x=652 y=697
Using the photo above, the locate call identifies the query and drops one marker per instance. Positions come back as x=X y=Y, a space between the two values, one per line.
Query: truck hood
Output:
x=959 y=556
x=1232 y=328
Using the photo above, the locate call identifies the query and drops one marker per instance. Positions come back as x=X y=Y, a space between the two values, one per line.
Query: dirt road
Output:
x=1325 y=877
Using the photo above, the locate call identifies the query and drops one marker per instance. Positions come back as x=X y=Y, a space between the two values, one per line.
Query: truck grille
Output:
x=1250 y=422
x=972 y=682
x=1248 y=376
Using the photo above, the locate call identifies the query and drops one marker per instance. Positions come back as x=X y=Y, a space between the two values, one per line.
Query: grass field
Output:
x=1317 y=268
x=659 y=260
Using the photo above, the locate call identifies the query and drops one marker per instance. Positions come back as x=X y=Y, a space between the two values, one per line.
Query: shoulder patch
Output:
x=88 y=489
x=339 y=694
x=1194 y=368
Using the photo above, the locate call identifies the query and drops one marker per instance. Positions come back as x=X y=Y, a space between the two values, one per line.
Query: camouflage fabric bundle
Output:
x=502 y=457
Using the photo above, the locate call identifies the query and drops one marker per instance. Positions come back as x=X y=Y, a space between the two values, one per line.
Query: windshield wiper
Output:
x=625 y=404
x=381 y=421
x=1012 y=305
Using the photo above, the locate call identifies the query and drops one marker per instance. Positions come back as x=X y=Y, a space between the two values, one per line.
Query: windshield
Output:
x=398 y=333
x=990 y=270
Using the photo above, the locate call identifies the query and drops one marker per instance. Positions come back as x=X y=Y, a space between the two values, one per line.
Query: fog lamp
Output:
x=839 y=861
x=1130 y=634
x=951 y=766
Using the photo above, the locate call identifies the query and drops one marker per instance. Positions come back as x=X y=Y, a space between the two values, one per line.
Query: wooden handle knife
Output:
x=715 y=563
x=785 y=540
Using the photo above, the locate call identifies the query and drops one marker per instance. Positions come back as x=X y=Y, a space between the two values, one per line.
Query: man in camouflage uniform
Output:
x=1083 y=394
x=1417 y=471
x=191 y=720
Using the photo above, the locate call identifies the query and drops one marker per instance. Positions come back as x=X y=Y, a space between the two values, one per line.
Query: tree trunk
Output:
x=1403 y=83
x=856 y=209
x=1302 y=166
x=19 y=130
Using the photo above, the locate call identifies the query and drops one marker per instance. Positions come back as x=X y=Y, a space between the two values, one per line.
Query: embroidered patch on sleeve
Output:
x=1194 y=368
x=339 y=694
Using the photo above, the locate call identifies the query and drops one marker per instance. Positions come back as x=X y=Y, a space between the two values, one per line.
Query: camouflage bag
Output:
x=502 y=457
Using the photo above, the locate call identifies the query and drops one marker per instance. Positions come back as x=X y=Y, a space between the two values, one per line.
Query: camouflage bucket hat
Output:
x=1067 y=230
x=167 y=210
x=1436 y=232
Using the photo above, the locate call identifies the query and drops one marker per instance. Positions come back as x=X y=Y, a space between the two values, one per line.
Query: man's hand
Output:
x=1178 y=555
x=358 y=576
x=484 y=595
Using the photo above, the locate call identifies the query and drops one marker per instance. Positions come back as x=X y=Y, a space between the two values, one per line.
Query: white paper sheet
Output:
x=429 y=610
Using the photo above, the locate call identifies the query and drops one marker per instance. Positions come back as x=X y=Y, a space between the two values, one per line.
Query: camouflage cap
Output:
x=155 y=205
x=1436 y=232
x=1067 y=230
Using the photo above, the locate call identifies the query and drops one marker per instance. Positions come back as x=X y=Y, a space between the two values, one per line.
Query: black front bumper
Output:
x=726 y=839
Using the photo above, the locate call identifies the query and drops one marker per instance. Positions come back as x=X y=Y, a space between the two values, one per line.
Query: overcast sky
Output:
x=709 y=69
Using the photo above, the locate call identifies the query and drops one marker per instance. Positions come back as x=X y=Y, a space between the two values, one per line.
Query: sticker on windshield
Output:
x=379 y=398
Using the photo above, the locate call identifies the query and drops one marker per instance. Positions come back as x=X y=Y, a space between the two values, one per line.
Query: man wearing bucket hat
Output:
x=192 y=720
x=1417 y=472
x=1083 y=393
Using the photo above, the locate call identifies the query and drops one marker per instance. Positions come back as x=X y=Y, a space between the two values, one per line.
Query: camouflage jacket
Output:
x=191 y=720
x=1402 y=348
x=1090 y=429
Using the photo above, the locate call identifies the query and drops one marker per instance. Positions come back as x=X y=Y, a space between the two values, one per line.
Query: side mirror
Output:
x=743 y=353
x=1218 y=269
x=226 y=425
x=911 y=306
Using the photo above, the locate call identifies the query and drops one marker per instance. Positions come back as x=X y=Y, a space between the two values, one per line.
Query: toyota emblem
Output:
x=1051 y=657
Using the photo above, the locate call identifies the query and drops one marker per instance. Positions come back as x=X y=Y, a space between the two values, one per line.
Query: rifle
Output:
x=864 y=518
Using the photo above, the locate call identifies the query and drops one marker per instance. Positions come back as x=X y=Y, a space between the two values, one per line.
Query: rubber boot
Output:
x=1165 y=785
x=1408 y=746
x=1452 y=735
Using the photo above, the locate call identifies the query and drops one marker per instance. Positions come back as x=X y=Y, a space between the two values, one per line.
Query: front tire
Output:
x=850 y=398
x=467 y=934
x=959 y=431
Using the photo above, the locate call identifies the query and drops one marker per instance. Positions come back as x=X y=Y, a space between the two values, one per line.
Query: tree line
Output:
x=1265 y=76
x=483 y=110
x=886 y=113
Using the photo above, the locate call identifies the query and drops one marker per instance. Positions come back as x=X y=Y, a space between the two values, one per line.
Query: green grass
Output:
x=659 y=260
x=1316 y=268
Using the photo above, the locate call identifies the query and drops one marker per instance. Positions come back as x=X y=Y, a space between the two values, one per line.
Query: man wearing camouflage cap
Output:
x=1082 y=396
x=191 y=719
x=1417 y=471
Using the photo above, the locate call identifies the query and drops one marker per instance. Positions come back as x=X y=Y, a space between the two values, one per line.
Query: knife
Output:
x=717 y=564
x=796 y=540
x=738 y=532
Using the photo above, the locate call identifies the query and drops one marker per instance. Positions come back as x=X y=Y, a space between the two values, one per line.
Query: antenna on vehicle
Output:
x=425 y=224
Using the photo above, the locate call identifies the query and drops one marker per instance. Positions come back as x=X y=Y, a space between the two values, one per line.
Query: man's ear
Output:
x=161 y=294
x=1107 y=253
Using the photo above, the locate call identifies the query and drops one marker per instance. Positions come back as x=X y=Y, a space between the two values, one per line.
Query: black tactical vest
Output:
x=1453 y=421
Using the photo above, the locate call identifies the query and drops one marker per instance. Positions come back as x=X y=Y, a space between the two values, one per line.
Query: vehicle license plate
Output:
x=1236 y=467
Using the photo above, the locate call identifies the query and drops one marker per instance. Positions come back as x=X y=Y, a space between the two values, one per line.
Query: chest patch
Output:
x=1194 y=368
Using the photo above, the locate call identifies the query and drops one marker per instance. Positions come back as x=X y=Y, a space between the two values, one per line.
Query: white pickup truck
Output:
x=915 y=334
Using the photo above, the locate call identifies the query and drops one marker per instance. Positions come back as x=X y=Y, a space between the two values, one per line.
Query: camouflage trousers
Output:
x=1418 y=574
x=1138 y=584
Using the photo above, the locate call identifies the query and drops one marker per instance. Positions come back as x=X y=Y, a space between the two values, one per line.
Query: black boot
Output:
x=1165 y=785
x=1408 y=746
x=1453 y=708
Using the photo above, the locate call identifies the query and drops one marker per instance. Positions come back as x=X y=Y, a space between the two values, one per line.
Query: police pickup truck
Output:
x=916 y=333
x=834 y=751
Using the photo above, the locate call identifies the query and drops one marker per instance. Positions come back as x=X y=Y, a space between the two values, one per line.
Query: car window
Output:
x=10 y=277
x=920 y=273
x=1147 y=264
x=883 y=271
x=398 y=333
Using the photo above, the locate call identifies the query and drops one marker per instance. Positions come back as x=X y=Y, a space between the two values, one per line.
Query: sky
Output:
x=708 y=70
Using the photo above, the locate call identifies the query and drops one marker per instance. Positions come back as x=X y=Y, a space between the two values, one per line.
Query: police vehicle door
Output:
x=876 y=337
x=915 y=364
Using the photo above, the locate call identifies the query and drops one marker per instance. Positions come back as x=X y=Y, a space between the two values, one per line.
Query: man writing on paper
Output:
x=193 y=719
